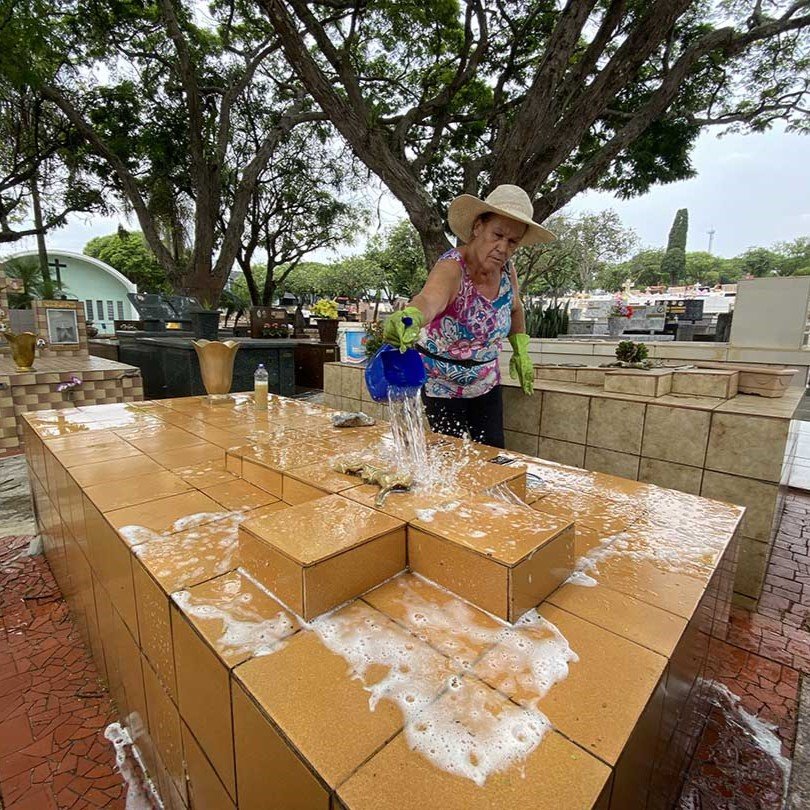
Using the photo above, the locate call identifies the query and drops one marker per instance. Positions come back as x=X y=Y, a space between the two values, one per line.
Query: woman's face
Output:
x=494 y=241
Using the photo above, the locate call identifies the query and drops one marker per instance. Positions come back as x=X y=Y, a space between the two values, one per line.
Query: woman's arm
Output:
x=440 y=288
x=518 y=317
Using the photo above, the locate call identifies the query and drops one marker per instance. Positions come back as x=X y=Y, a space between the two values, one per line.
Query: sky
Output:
x=752 y=190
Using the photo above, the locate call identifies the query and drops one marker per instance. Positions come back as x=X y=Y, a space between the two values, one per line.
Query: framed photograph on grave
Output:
x=63 y=326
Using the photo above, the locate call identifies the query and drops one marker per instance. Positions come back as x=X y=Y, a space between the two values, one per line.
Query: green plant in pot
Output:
x=325 y=312
x=374 y=338
x=634 y=354
x=205 y=320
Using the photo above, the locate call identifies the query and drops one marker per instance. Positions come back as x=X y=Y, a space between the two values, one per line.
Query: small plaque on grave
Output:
x=265 y=319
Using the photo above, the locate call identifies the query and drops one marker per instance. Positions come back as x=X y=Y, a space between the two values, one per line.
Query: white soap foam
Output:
x=141 y=791
x=244 y=630
x=471 y=730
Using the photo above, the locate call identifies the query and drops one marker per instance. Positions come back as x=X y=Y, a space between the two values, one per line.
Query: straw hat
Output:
x=506 y=200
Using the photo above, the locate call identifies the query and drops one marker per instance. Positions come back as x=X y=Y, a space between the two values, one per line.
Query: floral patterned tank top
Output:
x=470 y=328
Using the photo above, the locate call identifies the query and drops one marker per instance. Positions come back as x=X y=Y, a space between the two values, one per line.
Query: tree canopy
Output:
x=128 y=253
x=452 y=96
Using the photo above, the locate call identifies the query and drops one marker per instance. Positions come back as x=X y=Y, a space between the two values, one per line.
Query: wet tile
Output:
x=280 y=701
x=564 y=417
x=616 y=425
x=747 y=445
x=239 y=495
x=318 y=554
x=174 y=513
x=139 y=490
x=501 y=556
x=623 y=465
x=676 y=434
x=400 y=777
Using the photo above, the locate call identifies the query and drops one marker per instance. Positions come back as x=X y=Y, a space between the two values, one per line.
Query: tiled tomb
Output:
x=565 y=611
x=687 y=430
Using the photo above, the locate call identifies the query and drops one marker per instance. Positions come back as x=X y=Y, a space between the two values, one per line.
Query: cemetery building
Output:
x=101 y=289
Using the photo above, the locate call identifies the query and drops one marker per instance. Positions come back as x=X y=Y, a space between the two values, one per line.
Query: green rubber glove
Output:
x=520 y=366
x=402 y=328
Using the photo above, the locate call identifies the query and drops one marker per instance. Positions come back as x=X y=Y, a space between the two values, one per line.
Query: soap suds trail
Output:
x=471 y=730
x=141 y=791
x=245 y=630
x=762 y=734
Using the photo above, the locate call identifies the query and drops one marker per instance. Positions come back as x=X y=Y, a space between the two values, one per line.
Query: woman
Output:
x=469 y=303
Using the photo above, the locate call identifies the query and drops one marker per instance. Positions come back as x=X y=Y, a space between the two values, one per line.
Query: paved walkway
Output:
x=53 y=709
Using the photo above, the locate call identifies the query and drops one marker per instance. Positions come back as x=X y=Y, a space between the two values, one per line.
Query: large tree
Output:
x=128 y=253
x=442 y=97
x=155 y=90
x=673 y=265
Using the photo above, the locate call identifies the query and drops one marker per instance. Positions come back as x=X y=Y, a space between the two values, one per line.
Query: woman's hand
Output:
x=521 y=366
x=402 y=328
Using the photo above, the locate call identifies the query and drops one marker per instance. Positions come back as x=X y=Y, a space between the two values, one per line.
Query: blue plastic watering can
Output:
x=391 y=368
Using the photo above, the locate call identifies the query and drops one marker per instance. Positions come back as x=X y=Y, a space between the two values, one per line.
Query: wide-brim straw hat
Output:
x=506 y=200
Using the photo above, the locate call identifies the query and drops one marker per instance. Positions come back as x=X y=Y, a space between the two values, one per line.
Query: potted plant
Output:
x=373 y=339
x=205 y=320
x=326 y=316
x=619 y=316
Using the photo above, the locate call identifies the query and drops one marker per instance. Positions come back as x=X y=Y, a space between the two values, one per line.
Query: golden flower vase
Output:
x=23 y=347
x=216 y=364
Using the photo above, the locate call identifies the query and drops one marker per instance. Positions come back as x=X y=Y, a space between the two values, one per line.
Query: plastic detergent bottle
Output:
x=260 y=381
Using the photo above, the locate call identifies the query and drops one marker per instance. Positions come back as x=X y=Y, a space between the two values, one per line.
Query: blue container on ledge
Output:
x=391 y=368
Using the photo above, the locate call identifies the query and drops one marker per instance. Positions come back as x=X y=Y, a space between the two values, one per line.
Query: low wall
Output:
x=729 y=450
x=102 y=382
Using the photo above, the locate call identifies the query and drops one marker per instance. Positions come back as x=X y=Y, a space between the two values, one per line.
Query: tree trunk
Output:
x=433 y=238
x=42 y=251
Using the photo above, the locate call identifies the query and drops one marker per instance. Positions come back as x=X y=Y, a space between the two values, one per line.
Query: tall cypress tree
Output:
x=673 y=265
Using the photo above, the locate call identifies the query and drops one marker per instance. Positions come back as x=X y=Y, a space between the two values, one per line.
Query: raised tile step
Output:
x=500 y=556
x=655 y=382
x=706 y=382
x=321 y=553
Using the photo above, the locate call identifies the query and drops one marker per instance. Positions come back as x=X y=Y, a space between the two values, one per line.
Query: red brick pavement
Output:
x=53 y=710
x=761 y=661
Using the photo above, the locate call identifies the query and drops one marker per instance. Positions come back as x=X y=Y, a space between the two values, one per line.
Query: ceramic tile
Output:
x=164 y=728
x=304 y=682
x=751 y=566
x=205 y=789
x=521 y=413
x=750 y=446
x=676 y=434
x=556 y=774
x=319 y=554
x=455 y=628
x=189 y=456
x=564 y=417
x=758 y=498
x=601 y=721
x=562 y=452
x=706 y=383
x=155 y=628
x=103 y=472
x=623 y=465
x=615 y=425
x=671 y=475
x=174 y=513
x=159 y=438
x=137 y=490
x=521 y=442
x=239 y=495
x=215 y=626
x=630 y=618
x=503 y=557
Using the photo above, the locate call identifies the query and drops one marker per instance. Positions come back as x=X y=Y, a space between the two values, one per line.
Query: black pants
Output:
x=480 y=417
